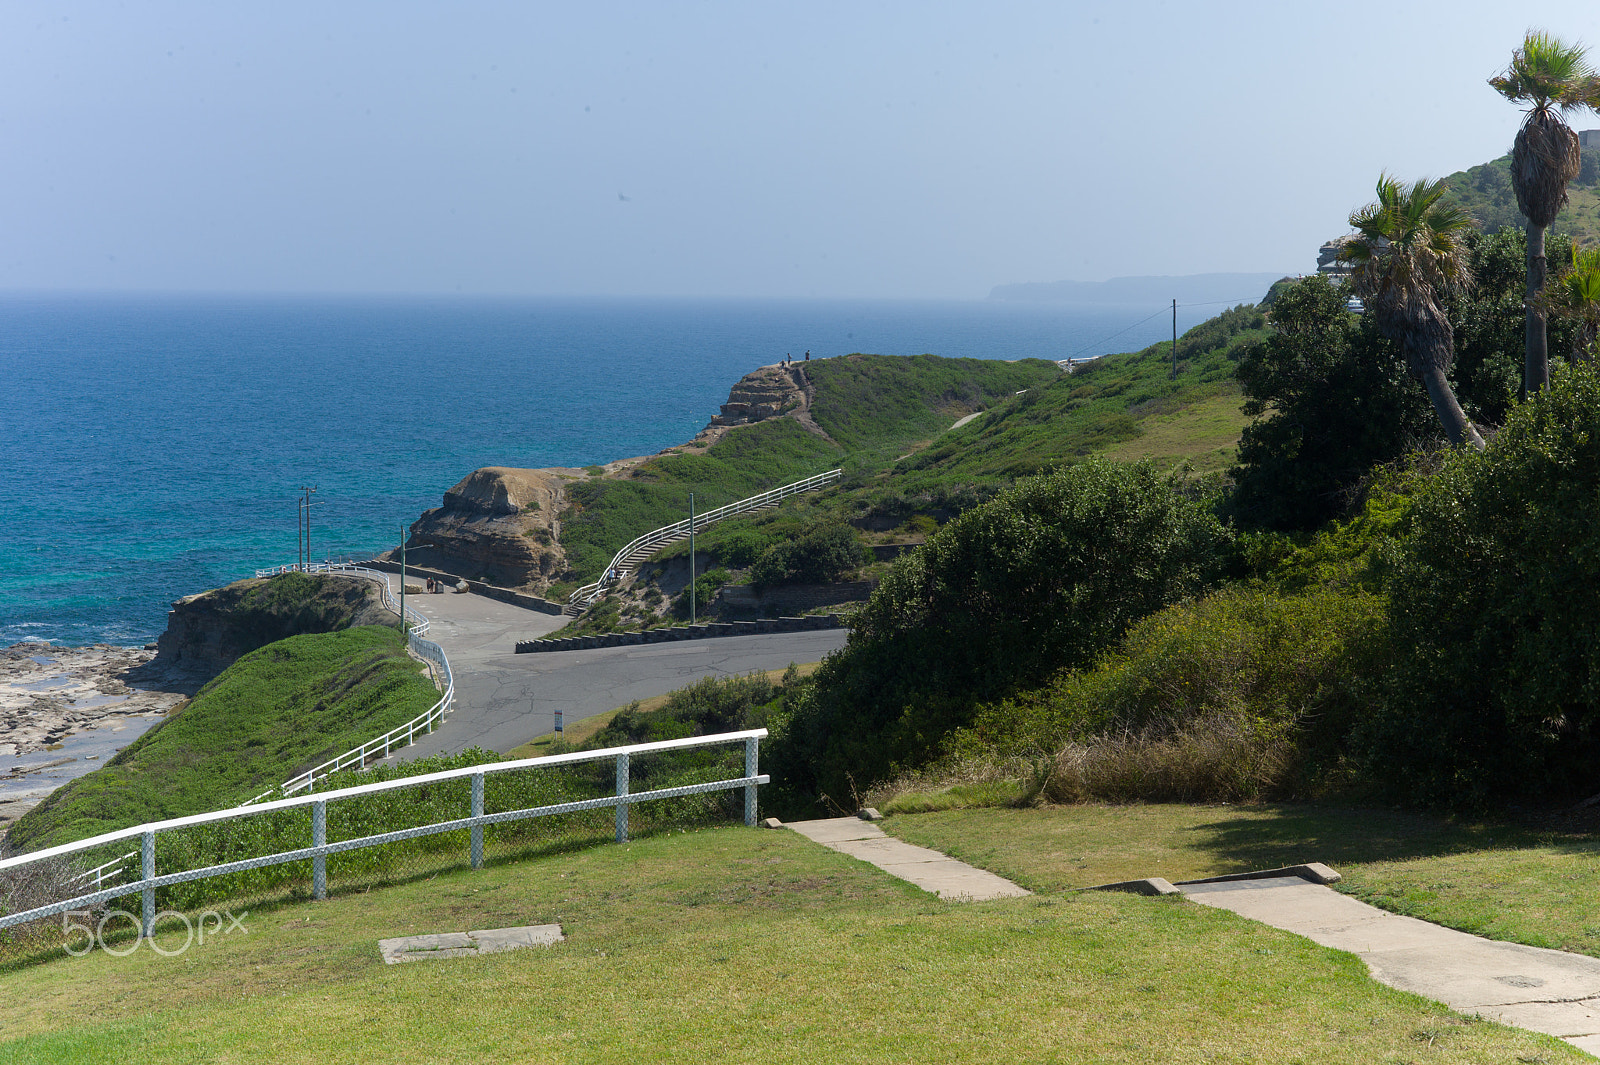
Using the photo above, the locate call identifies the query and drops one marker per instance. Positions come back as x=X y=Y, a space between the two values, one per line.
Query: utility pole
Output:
x=1174 y=340
x=692 y=593
x=305 y=528
x=405 y=630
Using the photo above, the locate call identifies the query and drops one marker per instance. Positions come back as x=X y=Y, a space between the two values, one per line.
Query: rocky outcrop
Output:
x=765 y=393
x=207 y=632
x=498 y=525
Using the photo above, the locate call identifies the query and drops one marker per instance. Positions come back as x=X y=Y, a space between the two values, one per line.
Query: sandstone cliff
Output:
x=498 y=525
x=503 y=526
x=770 y=392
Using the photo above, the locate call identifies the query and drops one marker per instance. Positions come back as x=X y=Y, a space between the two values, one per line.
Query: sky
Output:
x=838 y=150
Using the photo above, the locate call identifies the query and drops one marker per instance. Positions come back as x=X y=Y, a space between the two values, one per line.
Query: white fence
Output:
x=475 y=819
x=638 y=550
x=400 y=736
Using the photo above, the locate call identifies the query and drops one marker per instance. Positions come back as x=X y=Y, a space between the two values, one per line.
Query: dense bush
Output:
x=1248 y=662
x=1494 y=692
x=1043 y=578
x=822 y=555
x=1331 y=399
x=707 y=706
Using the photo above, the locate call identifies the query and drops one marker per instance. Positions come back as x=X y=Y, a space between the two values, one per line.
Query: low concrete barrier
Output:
x=809 y=623
x=505 y=595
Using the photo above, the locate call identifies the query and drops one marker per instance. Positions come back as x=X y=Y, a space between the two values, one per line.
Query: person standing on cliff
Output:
x=808 y=356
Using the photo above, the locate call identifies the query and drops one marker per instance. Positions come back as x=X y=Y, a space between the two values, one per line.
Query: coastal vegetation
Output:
x=276 y=712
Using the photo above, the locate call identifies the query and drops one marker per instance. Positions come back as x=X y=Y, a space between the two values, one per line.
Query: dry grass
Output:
x=1214 y=758
x=29 y=886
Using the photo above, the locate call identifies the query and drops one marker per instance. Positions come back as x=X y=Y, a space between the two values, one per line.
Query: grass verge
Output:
x=739 y=945
x=1518 y=883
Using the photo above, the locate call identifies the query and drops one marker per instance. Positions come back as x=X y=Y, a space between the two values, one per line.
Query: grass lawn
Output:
x=1508 y=882
x=737 y=945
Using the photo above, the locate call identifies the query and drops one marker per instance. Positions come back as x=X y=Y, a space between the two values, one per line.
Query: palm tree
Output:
x=1554 y=77
x=1408 y=252
x=1576 y=295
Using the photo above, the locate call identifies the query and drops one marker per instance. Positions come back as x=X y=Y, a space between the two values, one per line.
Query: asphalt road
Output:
x=504 y=699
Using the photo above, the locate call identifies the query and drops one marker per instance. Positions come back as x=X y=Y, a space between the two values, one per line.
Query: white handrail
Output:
x=427 y=650
x=657 y=538
x=149 y=881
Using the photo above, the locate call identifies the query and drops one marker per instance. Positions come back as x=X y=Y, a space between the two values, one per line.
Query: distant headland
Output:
x=1189 y=288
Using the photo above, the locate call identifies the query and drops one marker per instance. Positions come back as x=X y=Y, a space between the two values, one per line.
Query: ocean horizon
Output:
x=155 y=444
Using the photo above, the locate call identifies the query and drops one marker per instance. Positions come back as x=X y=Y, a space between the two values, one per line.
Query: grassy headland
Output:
x=277 y=711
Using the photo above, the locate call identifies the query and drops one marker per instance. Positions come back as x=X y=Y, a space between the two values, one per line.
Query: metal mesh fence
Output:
x=418 y=840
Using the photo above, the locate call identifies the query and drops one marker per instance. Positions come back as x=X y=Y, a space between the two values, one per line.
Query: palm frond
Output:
x=1547 y=72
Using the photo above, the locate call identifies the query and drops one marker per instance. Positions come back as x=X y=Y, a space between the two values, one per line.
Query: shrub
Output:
x=1331 y=399
x=1494 y=694
x=1044 y=577
x=706 y=587
x=1278 y=666
x=825 y=554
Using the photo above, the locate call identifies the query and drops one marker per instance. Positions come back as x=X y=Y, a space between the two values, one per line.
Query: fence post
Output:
x=147 y=863
x=319 y=838
x=477 y=811
x=751 y=759
x=622 y=807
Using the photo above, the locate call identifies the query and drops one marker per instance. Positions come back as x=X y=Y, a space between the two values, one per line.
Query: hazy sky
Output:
x=722 y=149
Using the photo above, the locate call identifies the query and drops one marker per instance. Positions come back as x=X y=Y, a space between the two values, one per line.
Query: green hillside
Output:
x=276 y=712
x=1110 y=402
x=1485 y=193
x=874 y=407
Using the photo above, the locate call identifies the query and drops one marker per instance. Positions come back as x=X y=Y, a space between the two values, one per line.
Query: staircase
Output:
x=626 y=561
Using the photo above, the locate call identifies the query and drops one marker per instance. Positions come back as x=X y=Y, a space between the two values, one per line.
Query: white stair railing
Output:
x=636 y=551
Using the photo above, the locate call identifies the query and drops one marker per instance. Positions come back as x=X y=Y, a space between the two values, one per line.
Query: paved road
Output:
x=504 y=699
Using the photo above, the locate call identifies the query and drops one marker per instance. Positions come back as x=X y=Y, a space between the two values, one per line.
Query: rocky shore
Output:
x=64 y=710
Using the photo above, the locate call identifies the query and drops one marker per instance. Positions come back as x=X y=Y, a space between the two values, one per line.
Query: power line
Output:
x=1104 y=340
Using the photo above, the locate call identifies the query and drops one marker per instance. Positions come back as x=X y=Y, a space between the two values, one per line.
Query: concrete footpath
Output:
x=1547 y=991
x=928 y=869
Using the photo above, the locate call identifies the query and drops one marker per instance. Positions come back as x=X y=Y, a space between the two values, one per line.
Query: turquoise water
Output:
x=153 y=447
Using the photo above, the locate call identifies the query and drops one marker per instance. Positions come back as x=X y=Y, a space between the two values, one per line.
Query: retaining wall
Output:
x=810 y=623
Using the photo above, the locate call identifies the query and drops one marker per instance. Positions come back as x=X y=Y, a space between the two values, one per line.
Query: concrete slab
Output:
x=1589 y=1044
x=927 y=869
x=1153 y=885
x=836 y=829
x=888 y=851
x=467 y=944
x=1547 y=991
x=1565 y=1019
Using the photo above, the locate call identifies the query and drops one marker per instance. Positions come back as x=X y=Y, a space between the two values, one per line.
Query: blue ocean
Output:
x=154 y=446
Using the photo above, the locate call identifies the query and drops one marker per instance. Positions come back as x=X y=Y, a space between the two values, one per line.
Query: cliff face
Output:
x=770 y=392
x=498 y=525
x=208 y=631
x=766 y=393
